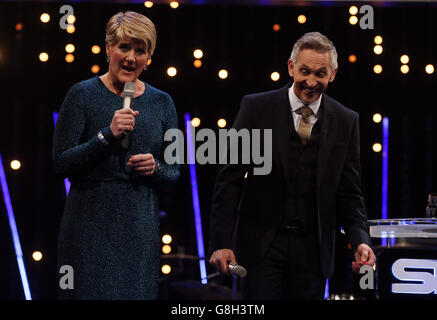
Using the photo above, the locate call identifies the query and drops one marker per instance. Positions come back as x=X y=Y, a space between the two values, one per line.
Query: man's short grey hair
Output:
x=318 y=42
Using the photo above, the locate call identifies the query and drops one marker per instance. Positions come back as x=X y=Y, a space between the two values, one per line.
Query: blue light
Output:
x=66 y=181
x=385 y=126
x=14 y=232
x=195 y=195
x=384 y=199
x=327 y=289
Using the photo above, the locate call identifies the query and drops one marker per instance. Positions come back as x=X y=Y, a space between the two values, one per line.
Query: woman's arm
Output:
x=71 y=155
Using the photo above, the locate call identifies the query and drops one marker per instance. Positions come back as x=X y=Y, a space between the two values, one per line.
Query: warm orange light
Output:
x=174 y=4
x=378 y=40
x=405 y=69
x=166 y=249
x=276 y=27
x=195 y=122
x=19 y=26
x=69 y=58
x=95 y=49
x=353 y=20
x=197 y=63
x=71 y=19
x=352 y=58
x=301 y=19
x=71 y=28
x=377 y=69
x=95 y=68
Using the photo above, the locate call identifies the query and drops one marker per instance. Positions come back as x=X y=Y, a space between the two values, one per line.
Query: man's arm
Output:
x=350 y=202
x=226 y=197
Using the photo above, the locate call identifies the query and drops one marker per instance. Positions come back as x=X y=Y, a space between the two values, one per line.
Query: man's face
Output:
x=311 y=74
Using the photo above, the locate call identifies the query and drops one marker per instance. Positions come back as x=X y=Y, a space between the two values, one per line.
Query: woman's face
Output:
x=127 y=59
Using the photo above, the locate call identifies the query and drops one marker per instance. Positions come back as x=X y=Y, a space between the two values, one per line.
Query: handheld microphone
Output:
x=237 y=270
x=128 y=93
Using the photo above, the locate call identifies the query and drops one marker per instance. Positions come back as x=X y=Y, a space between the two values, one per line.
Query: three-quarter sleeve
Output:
x=71 y=155
x=166 y=173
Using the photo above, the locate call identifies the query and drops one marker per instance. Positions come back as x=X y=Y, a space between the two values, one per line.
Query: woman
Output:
x=109 y=231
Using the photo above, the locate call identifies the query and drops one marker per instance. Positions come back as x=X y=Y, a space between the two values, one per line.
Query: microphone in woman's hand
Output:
x=128 y=93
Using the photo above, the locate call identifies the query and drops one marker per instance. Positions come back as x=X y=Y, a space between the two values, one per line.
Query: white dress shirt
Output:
x=296 y=104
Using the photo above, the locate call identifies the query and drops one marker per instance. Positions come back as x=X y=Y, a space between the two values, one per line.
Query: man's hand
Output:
x=220 y=259
x=363 y=255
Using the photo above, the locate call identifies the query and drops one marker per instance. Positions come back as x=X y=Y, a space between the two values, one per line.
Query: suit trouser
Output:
x=289 y=270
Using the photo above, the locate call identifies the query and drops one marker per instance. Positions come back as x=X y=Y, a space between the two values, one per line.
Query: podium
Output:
x=406 y=250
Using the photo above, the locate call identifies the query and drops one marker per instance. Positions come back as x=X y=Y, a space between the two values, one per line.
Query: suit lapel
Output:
x=281 y=128
x=327 y=136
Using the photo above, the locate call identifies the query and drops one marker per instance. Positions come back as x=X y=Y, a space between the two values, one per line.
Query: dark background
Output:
x=238 y=37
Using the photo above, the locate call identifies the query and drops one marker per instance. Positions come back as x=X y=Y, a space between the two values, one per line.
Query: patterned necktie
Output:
x=304 y=130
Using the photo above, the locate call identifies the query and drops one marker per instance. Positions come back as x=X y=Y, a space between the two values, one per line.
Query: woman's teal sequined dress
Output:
x=109 y=230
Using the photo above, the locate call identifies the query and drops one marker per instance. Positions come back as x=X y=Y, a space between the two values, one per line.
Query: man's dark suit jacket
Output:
x=259 y=201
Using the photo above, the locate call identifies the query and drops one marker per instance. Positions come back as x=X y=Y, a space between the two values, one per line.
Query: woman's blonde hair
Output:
x=134 y=25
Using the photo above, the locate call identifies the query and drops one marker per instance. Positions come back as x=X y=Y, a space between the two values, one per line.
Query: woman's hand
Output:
x=123 y=121
x=143 y=164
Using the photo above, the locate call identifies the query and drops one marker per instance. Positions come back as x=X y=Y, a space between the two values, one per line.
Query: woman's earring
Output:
x=145 y=68
x=107 y=59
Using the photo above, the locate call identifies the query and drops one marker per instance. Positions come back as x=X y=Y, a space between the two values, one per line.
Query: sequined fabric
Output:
x=109 y=231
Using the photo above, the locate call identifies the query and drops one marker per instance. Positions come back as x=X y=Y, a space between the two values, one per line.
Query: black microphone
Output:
x=128 y=93
x=237 y=270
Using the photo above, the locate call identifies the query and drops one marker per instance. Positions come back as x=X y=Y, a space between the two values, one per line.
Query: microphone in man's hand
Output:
x=237 y=270
x=128 y=93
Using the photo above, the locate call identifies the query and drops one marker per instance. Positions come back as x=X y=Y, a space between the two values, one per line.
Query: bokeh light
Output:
x=377 y=69
x=95 y=49
x=429 y=69
x=377 y=147
x=377 y=118
x=221 y=123
x=37 y=255
x=195 y=122
x=223 y=74
x=275 y=76
x=15 y=164
x=45 y=17
x=166 y=239
x=171 y=71
x=301 y=19
x=352 y=58
x=43 y=57
x=198 y=54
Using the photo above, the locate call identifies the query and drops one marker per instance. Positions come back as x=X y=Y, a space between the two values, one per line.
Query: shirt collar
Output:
x=296 y=103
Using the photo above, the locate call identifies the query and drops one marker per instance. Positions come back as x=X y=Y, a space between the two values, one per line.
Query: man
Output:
x=285 y=221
